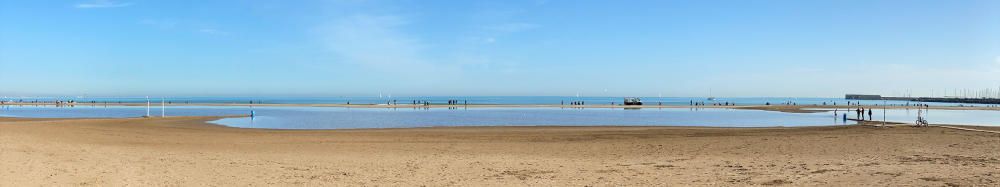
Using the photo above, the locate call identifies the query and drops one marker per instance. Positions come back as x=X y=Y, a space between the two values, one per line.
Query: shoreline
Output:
x=780 y=108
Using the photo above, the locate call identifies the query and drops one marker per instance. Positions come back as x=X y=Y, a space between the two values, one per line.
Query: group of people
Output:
x=425 y=103
x=860 y=112
x=455 y=102
x=692 y=103
x=702 y=103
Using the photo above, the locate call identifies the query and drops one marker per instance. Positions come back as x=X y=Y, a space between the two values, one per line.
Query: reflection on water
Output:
x=958 y=117
x=953 y=117
x=341 y=118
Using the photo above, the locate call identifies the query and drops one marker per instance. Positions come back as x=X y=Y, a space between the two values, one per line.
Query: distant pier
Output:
x=926 y=99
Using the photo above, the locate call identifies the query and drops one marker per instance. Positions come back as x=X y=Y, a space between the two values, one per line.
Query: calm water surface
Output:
x=339 y=118
x=350 y=118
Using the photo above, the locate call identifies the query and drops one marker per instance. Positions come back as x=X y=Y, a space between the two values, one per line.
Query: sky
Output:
x=773 y=48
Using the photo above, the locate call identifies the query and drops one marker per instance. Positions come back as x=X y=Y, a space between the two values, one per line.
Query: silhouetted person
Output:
x=858 y=112
x=870 y=114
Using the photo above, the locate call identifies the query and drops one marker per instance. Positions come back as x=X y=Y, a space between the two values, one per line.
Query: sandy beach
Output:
x=499 y=93
x=186 y=151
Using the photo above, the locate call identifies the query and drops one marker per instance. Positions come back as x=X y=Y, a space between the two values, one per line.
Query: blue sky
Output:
x=534 y=47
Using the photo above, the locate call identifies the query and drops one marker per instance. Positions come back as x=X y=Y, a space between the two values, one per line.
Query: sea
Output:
x=477 y=100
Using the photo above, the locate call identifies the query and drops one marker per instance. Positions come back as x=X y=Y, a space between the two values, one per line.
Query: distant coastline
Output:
x=780 y=108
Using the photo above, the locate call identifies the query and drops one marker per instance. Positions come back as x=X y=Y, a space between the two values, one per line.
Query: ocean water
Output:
x=498 y=100
x=353 y=118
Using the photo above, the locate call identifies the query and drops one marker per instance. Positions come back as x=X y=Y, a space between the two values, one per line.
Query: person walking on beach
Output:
x=845 y=117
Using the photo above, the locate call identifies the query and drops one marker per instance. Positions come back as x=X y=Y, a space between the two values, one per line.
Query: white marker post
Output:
x=147 y=106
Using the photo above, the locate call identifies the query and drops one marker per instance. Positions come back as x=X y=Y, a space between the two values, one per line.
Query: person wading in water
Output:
x=858 y=112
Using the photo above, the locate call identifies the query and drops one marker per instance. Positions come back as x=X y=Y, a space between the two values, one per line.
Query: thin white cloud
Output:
x=375 y=42
x=489 y=34
x=213 y=31
x=510 y=27
x=380 y=45
x=102 y=4
x=161 y=24
x=167 y=24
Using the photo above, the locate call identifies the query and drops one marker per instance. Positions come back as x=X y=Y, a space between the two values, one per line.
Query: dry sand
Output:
x=185 y=151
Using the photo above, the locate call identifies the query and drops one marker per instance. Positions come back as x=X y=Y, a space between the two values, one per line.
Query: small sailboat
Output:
x=710 y=98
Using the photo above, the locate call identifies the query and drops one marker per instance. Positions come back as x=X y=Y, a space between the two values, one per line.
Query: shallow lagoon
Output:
x=341 y=118
x=350 y=118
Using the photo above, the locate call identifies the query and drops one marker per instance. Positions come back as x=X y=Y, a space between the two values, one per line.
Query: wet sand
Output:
x=187 y=151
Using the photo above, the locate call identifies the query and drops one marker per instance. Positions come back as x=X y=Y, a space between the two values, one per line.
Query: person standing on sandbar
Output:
x=870 y=114
x=862 y=114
